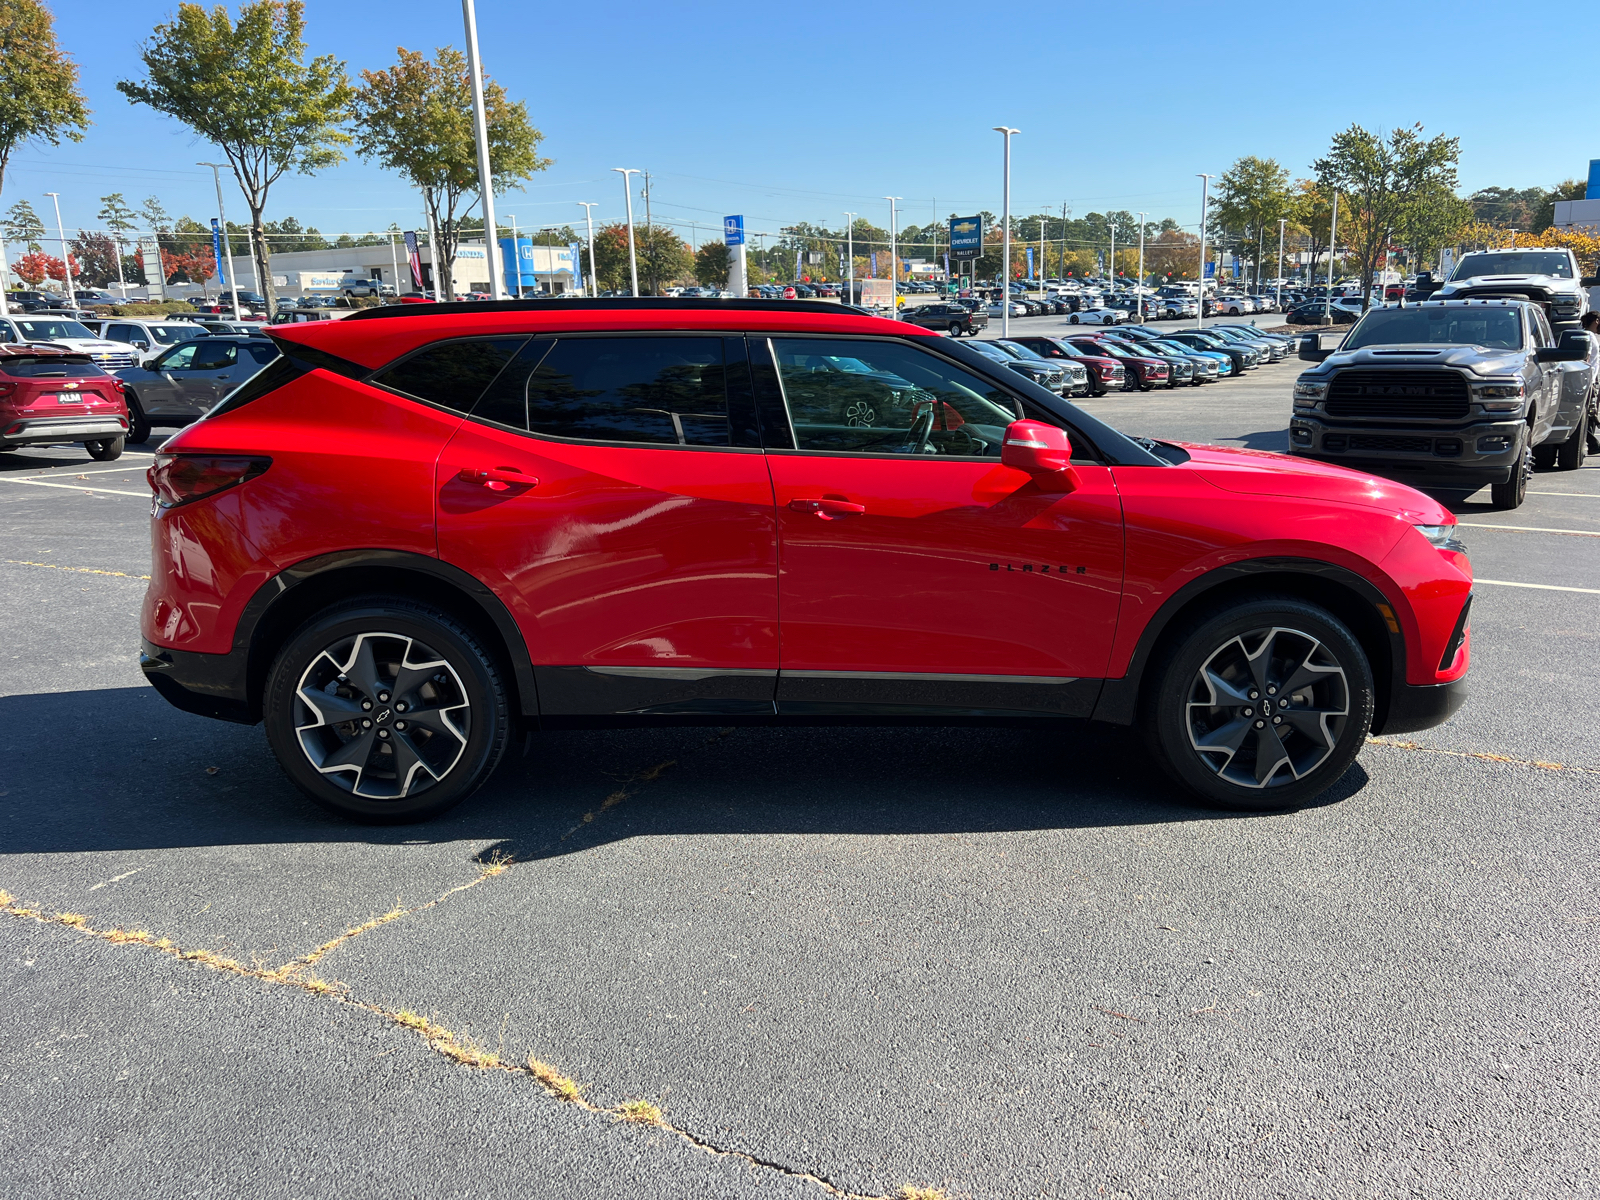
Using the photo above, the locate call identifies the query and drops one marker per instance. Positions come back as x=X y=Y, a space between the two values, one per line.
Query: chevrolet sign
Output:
x=966 y=236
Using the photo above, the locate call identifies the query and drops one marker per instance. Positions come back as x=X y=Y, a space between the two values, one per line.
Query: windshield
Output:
x=44 y=331
x=1174 y=348
x=1514 y=262
x=1113 y=351
x=169 y=334
x=1499 y=328
x=1016 y=351
x=990 y=350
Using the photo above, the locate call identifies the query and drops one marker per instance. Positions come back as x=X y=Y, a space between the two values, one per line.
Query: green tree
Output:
x=248 y=88
x=1434 y=218
x=23 y=227
x=712 y=262
x=416 y=119
x=1509 y=208
x=39 y=97
x=1251 y=197
x=155 y=215
x=1380 y=177
x=94 y=258
x=1567 y=189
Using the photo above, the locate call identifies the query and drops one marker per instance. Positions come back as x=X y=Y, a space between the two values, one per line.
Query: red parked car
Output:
x=1143 y=373
x=57 y=396
x=425 y=527
x=1105 y=372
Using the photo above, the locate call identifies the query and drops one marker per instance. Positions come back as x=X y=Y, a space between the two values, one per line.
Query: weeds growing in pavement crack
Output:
x=1483 y=756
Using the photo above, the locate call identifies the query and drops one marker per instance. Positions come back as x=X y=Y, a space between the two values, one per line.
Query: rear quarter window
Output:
x=451 y=374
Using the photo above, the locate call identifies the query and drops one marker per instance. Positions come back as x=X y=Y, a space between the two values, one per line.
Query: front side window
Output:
x=848 y=396
x=663 y=391
x=181 y=359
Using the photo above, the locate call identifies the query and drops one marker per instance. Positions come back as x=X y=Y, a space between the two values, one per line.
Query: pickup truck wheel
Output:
x=955 y=328
x=1260 y=705
x=138 y=423
x=1571 y=453
x=1544 y=457
x=1512 y=492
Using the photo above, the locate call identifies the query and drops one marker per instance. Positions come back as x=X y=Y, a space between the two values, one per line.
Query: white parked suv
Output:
x=68 y=335
x=149 y=338
x=366 y=287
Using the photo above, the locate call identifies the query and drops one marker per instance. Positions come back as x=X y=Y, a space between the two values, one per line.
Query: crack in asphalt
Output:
x=1484 y=756
x=23 y=562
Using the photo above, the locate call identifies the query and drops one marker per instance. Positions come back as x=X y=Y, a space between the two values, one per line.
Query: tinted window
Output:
x=181 y=359
x=40 y=368
x=887 y=398
x=1446 y=326
x=1510 y=262
x=214 y=356
x=262 y=352
x=452 y=374
x=656 y=390
x=167 y=334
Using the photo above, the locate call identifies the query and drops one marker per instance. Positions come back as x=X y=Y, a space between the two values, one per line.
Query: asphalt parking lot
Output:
x=838 y=961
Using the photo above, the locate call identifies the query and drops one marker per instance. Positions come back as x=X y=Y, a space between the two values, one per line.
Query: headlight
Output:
x=1310 y=390
x=1496 y=391
x=1443 y=537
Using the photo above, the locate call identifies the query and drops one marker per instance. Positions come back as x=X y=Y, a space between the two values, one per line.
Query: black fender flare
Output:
x=1119 y=698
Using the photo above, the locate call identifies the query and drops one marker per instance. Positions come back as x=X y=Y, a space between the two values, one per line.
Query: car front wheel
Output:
x=1260 y=706
x=1510 y=494
x=138 y=423
x=385 y=710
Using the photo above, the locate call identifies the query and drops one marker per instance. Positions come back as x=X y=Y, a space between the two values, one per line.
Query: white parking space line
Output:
x=1581 y=495
x=1543 y=587
x=76 y=487
x=1528 y=529
x=97 y=471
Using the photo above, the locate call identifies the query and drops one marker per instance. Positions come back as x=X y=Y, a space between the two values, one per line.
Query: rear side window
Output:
x=669 y=391
x=451 y=374
x=262 y=353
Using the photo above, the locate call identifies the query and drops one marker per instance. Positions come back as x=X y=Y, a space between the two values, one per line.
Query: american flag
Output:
x=415 y=256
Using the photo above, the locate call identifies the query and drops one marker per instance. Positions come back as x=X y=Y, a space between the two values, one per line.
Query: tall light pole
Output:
x=588 y=215
x=894 y=260
x=627 y=194
x=1138 y=284
x=394 y=261
x=480 y=124
x=5 y=275
x=1200 y=308
x=1333 y=235
x=66 y=258
x=1282 y=221
x=1005 y=131
x=850 y=257
x=1112 y=265
x=227 y=242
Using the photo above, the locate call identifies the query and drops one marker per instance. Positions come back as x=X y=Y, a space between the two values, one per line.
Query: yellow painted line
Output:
x=22 y=562
x=77 y=487
x=1528 y=529
x=1543 y=587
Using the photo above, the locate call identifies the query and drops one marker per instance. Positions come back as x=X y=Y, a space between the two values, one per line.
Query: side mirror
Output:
x=1312 y=350
x=1573 y=347
x=141 y=345
x=1043 y=451
x=1591 y=281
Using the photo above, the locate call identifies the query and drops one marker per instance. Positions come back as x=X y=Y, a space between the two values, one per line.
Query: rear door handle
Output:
x=827 y=509
x=496 y=478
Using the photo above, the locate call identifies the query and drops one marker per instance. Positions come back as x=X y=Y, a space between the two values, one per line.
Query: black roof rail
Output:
x=617 y=304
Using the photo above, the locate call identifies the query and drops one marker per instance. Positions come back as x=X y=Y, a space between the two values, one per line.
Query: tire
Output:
x=107 y=450
x=1228 y=653
x=955 y=328
x=373 y=638
x=1510 y=494
x=138 y=423
x=1073 y=320
x=1571 y=453
x=1544 y=457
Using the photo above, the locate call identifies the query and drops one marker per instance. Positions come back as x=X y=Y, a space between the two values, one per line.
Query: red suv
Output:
x=425 y=526
x=49 y=395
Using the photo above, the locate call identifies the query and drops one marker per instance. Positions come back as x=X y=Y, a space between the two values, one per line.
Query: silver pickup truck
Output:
x=1448 y=395
x=1548 y=277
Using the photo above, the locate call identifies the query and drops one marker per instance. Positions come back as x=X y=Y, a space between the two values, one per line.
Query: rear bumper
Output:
x=208 y=685
x=89 y=427
x=1422 y=706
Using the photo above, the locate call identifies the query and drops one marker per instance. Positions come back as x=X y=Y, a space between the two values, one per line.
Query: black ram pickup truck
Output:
x=1445 y=394
x=952 y=318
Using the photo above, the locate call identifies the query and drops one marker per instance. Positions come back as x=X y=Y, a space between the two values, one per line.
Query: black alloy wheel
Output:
x=1259 y=706
x=385 y=710
x=105 y=450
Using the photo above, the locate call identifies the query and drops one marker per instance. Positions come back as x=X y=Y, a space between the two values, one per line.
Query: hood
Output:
x=1260 y=473
x=1481 y=360
x=1523 y=284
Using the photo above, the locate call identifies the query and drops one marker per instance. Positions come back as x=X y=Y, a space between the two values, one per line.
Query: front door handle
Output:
x=496 y=479
x=827 y=509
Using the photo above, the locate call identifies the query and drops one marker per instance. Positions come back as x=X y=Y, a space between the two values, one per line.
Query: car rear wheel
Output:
x=1571 y=453
x=105 y=450
x=1260 y=706
x=955 y=328
x=386 y=711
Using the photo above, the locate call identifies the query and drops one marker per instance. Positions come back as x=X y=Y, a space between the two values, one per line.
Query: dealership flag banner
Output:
x=872 y=270
x=216 y=249
x=414 y=256
x=1030 y=262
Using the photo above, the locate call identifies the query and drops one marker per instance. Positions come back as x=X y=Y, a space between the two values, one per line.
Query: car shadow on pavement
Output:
x=1276 y=440
x=141 y=775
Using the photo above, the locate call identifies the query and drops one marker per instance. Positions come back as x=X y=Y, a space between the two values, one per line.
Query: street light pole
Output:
x=1200 y=307
x=1281 y=222
x=894 y=260
x=1138 y=284
x=588 y=216
x=1005 y=131
x=850 y=257
x=1333 y=236
x=627 y=194
x=480 y=123
x=227 y=242
x=66 y=258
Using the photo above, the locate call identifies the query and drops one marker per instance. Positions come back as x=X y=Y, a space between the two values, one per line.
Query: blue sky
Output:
x=800 y=112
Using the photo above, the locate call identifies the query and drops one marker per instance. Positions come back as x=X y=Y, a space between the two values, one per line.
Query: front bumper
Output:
x=27 y=431
x=1422 y=706
x=208 y=685
x=1456 y=456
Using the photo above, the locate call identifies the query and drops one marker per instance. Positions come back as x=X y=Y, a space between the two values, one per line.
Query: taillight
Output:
x=179 y=479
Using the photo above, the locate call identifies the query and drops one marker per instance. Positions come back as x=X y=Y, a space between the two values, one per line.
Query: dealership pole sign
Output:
x=966 y=237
